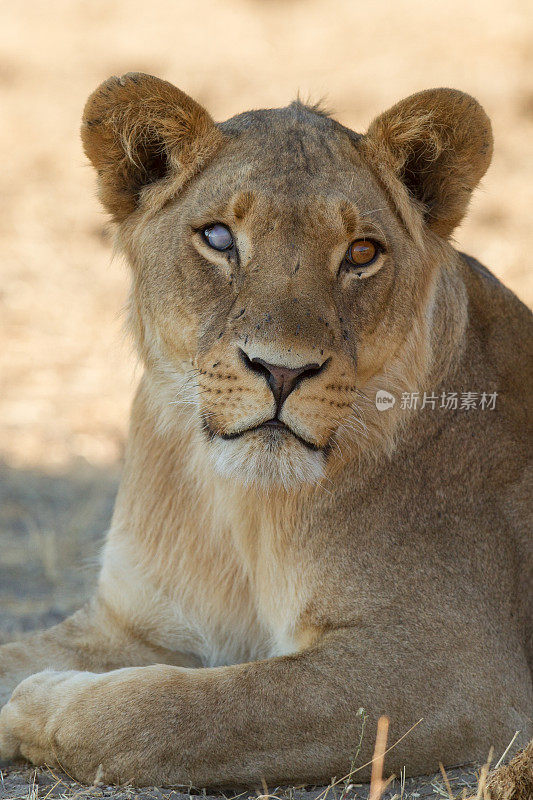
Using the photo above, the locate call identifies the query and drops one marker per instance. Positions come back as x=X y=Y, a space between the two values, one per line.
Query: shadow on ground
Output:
x=51 y=531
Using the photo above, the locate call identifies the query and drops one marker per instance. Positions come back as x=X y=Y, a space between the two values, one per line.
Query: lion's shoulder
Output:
x=500 y=334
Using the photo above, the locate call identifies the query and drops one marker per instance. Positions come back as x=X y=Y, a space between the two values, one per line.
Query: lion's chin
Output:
x=266 y=459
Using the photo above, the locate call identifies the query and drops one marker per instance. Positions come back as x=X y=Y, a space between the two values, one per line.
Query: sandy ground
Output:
x=66 y=370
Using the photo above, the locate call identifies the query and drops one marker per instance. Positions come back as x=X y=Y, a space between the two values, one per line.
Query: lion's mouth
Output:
x=273 y=426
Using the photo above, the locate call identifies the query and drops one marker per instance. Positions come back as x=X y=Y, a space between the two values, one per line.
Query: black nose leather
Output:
x=282 y=380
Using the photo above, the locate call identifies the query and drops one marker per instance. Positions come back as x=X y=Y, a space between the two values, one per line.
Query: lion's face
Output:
x=273 y=332
x=271 y=286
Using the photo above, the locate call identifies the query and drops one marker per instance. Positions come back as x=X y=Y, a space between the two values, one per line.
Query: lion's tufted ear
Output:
x=138 y=129
x=439 y=144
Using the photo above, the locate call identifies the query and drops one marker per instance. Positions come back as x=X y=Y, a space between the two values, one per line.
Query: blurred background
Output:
x=67 y=373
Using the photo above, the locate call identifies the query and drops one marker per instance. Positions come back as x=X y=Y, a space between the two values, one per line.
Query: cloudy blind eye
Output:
x=218 y=237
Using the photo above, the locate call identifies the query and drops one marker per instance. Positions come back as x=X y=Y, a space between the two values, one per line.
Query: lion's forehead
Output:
x=289 y=164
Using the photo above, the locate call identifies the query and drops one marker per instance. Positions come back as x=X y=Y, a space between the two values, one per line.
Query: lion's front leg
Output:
x=169 y=725
x=290 y=718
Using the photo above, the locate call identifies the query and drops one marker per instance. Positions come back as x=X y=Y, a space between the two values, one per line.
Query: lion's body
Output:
x=358 y=558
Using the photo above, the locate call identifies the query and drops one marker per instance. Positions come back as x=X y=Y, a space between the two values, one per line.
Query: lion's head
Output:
x=284 y=267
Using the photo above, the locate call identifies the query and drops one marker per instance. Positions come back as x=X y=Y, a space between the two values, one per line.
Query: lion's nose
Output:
x=282 y=380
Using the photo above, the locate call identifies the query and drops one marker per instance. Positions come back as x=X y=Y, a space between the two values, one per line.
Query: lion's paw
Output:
x=29 y=720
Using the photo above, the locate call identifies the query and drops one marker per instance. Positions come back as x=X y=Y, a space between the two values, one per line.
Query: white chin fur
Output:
x=253 y=459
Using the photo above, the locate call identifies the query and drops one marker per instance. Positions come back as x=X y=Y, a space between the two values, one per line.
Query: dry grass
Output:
x=513 y=781
x=66 y=374
x=510 y=782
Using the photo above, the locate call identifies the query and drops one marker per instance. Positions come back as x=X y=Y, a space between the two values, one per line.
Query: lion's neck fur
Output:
x=210 y=556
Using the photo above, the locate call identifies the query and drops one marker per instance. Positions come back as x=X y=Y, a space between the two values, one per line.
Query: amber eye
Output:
x=362 y=253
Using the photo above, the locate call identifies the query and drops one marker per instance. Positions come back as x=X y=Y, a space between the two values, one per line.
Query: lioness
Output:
x=324 y=501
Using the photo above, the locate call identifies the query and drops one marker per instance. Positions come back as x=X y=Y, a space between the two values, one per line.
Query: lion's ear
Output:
x=439 y=144
x=138 y=129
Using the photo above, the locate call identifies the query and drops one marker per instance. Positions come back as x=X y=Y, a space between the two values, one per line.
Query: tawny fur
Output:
x=260 y=587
